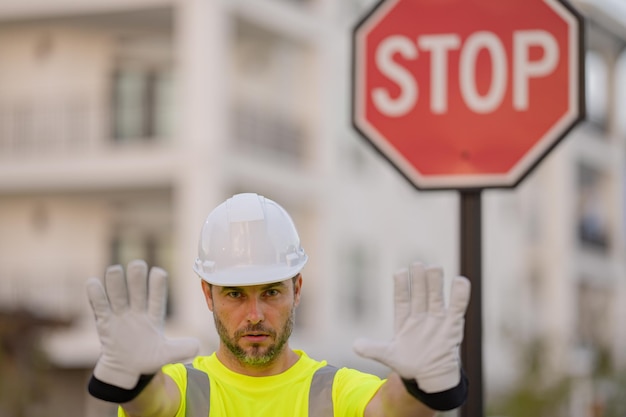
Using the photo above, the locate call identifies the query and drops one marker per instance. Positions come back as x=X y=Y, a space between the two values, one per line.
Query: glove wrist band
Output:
x=113 y=394
x=440 y=401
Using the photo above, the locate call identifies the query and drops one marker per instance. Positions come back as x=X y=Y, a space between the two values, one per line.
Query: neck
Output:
x=283 y=361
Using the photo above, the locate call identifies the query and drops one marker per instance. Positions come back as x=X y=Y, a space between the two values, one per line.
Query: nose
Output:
x=254 y=312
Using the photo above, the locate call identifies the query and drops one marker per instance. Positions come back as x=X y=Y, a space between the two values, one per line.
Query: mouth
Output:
x=255 y=337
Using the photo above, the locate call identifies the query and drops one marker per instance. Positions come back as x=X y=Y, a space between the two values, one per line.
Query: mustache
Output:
x=254 y=328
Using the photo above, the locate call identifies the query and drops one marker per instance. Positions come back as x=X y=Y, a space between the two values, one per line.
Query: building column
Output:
x=201 y=32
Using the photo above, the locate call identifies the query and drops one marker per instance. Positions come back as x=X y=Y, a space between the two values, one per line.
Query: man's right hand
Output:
x=130 y=313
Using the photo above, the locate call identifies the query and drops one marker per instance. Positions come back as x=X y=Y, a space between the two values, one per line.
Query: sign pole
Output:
x=471 y=267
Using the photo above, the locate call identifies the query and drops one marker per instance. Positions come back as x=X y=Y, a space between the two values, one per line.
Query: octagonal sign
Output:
x=467 y=94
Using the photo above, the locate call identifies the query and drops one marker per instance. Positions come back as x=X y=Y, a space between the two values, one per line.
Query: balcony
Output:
x=16 y=10
x=31 y=130
x=66 y=145
x=58 y=294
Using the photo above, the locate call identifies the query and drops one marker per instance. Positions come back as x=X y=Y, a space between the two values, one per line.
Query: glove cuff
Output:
x=440 y=381
x=440 y=401
x=114 y=394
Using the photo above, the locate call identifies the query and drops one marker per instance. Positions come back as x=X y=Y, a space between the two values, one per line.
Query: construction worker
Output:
x=250 y=262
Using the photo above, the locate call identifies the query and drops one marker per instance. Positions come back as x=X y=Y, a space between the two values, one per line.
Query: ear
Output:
x=297 y=289
x=208 y=296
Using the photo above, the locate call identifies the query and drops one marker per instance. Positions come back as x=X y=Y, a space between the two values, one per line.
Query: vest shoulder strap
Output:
x=198 y=393
x=321 y=392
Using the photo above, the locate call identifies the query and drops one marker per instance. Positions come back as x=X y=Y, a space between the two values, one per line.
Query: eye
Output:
x=272 y=292
x=233 y=294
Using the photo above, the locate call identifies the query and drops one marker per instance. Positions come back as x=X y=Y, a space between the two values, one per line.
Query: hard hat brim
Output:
x=251 y=275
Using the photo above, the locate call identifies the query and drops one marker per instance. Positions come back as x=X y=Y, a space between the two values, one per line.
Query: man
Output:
x=250 y=262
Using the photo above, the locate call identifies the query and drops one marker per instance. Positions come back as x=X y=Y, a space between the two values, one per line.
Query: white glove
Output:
x=130 y=313
x=427 y=335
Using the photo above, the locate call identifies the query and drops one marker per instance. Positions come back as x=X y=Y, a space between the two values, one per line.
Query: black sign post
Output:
x=471 y=268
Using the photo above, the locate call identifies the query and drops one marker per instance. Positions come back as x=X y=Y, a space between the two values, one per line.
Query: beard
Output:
x=256 y=355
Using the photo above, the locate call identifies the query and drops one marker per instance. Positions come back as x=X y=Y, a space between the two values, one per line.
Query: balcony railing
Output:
x=37 y=129
x=58 y=295
x=67 y=127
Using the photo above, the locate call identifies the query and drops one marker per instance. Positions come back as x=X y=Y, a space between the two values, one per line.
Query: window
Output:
x=141 y=88
x=357 y=280
x=593 y=317
x=593 y=208
x=273 y=90
x=597 y=85
x=259 y=129
x=141 y=228
x=620 y=94
x=125 y=247
x=141 y=104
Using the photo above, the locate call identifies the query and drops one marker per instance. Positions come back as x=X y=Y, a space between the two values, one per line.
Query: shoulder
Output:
x=306 y=361
x=178 y=371
x=353 y=390
x=204 y=363
x=351 y=376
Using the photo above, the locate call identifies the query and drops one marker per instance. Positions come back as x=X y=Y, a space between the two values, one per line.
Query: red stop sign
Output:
x=467 y=94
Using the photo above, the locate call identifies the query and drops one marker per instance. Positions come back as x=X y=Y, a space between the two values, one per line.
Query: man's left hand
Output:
x=427 y=333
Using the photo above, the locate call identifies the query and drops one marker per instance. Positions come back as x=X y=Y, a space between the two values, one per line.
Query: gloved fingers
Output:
x=419 y=288
x=98 y=298
x=157 y=295
x=434 y=279
x=115 y=285
x=401 y=298
x=182 y=349
x=459 y=296
x=137 y=278
x=371 y=349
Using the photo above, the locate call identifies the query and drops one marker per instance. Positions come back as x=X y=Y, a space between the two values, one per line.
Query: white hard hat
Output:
x=248 y=240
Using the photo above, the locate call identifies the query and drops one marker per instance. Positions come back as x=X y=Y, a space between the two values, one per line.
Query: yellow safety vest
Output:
x=320 y=393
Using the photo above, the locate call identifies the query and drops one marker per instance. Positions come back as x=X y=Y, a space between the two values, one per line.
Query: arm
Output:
x=160 y=398
x=130 y=313
x=424 y=349
x=393 y=400
x=401 y=397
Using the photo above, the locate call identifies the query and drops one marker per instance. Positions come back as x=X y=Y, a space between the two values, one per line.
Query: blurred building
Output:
x=555 y=264
x=122 y=123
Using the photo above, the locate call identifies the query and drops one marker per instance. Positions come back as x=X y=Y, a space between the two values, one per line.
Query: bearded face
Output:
x=256 y=353
x=254 y=322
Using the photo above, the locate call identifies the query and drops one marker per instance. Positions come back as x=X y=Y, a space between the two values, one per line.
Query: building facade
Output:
x=122 y=123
